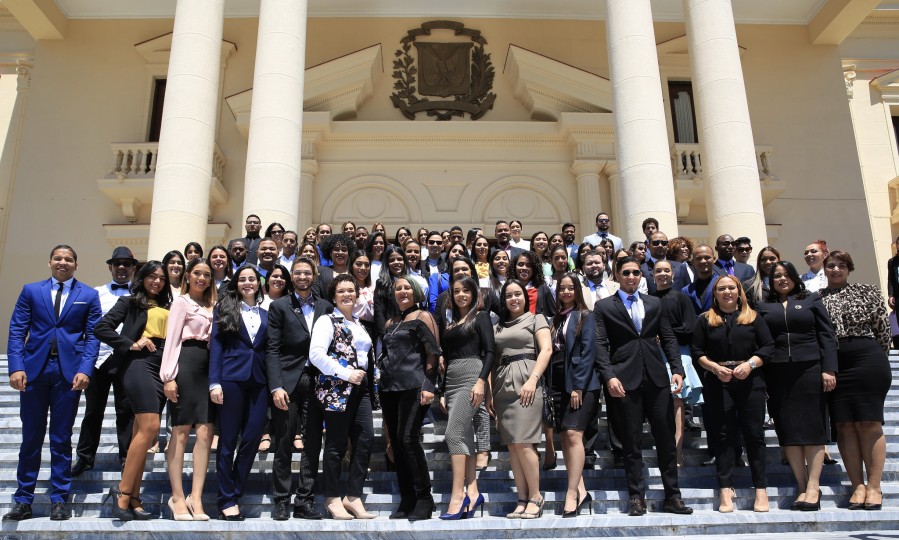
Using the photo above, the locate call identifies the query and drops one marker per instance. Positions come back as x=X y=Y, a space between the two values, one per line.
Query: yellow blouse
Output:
x=157 y=319
x=483 y=269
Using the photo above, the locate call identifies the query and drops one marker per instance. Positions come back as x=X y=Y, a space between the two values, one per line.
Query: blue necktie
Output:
x=635 y=315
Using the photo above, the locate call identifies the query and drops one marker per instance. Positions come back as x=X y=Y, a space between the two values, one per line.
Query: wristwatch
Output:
x=752 y=364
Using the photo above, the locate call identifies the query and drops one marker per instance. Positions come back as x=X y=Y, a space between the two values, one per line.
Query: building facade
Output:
x=154 y=125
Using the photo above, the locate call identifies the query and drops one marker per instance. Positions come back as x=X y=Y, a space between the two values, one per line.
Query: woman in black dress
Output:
x=798 y=375
x=731 y=343
x=573 y=377
x=859 y=316
x=143 y=317
x=406 y=388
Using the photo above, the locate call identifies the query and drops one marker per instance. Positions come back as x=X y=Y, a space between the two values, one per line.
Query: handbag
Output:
x=549 y=411
x=332 y=391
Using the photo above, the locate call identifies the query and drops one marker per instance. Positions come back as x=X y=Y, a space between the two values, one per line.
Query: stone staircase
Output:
x=607 y=485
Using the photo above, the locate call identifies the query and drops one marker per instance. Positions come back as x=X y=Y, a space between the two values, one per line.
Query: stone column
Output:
x=308 y=170
x=276 y=117
x=589 y=199
x=646 y=185
x=730 y=171
x=187 y=138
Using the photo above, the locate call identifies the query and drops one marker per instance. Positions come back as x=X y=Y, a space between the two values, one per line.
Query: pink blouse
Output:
x=187 y=320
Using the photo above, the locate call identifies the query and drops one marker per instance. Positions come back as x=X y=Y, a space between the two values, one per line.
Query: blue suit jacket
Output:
x=233 y=357
x=34 y=325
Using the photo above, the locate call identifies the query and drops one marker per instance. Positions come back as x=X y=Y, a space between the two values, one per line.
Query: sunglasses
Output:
x=628 y=273
x=659 y=242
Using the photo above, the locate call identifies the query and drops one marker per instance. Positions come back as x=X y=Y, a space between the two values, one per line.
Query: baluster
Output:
x=116 y=162
x=154 y=153
x=766 y=170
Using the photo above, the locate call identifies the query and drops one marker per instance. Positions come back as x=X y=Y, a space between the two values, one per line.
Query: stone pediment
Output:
x=548 y=87
x=339 y=86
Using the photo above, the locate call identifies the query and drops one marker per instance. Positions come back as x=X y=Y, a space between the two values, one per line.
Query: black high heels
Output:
x=580 y=505
x=119 y=513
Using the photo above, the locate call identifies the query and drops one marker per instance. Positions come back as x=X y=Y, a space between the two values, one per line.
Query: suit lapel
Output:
x=298 y=312
x=45 y=295
x=619 y=303
x=73 y=296
x=244 y=333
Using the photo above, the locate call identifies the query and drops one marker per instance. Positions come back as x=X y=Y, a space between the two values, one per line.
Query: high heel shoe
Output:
x=332 y=515
x=811 y=507
x=119 y=513
x=517 y=515
x=461 y=514
x=138 y=509
x=580 y=505
x=361 y=514
x=477 y=502
x=190 y=508
x=179 y=517
x=726 y=508
x=423 y=510
x=538 y=513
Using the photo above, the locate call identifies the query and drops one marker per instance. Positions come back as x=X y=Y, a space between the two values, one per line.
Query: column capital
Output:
x=582 y=168
x=309 y=167
x=23 y=72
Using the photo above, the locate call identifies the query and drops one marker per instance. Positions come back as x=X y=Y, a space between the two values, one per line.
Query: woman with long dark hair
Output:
x=237 y=383
x=336 y=248
x=523 y=349
x=375 y=248
x=277 y=285
x=480 y=254
x=192 y=251
x=527 y=269
x=540 y=246
x=310 y=251
x=185 y=376
x=802 y=369
x=364 y=312
x=859 y=316
x=173 y=261
x=468 y=349
x=407 y=385
x=759 y=286
x=559 y=262
x=222 y=267
x=731 y=343
x=402 y=234
x=385 y=301
x=500 y=270
x=275 y=231
x=573 y=377
x=143 y=317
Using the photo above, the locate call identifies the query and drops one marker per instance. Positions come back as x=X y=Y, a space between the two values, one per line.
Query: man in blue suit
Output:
x=52 y=349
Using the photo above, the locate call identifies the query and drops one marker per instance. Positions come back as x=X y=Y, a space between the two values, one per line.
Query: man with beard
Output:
x=594 y=272
x=726 y=248
x=602 y=232
x=503 y=237
x=568 y=234
x=238 y=250
x=252 y=225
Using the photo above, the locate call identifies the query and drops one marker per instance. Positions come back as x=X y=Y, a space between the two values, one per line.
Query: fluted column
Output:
x=646 y=185
x=187 y=138
x=589 y=199
x=729 y=167
x=276 y=118
x=308 y=170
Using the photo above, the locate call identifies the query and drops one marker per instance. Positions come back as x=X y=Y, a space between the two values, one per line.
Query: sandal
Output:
x=265 y=444
x=538 y=513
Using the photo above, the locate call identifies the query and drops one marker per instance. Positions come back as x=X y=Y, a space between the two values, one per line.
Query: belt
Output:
x=730 y=363
x=506 y=360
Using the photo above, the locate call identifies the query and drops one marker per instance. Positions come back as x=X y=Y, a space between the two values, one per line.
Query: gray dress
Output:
x=517 y=424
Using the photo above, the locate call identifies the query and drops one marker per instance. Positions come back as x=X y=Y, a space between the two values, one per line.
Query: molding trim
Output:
x=157 y=50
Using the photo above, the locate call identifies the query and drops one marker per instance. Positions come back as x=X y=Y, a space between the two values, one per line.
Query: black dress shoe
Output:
x=637 y=508
x=281 y=511
x=709 y=462
x=739 y=462
x=21 y=512
x=306 y=511
x=234 y=517
x=675 y=505
x=80 y=466
x=769 y=424
x=617 y=462
x=60 y=512
x=693 y=426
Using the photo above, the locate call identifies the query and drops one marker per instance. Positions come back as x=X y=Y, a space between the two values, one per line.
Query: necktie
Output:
x=57 y=302
x=730 y=267
x=635 y=314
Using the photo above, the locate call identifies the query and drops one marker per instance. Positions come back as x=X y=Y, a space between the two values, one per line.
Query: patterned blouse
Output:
x=858 y=310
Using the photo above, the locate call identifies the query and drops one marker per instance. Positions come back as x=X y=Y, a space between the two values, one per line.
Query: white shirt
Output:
x=521 y=244
x=597 y=292
x=108 y=298
x=66 y=289
x=251 y=319
x=286 y=261
x=814 y=282
x=632 y=306
x=323 y=333
x=375 y=270
x=596 y=238
x=308 y=312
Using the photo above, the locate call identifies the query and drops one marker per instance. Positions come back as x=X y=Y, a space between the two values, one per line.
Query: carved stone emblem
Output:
x=460 y=70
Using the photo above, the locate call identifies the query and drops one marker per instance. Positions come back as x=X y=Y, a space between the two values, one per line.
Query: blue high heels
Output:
x=463 y=510
x=478 y=502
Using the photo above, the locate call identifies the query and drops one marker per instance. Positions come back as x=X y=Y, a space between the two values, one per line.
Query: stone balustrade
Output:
x=686 y=162
x=139 y=160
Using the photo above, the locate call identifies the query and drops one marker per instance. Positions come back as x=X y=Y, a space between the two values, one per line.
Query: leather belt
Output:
x=730 y=363
x=506 y=360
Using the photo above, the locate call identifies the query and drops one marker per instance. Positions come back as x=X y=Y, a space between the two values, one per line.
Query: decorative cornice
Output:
x=157 y=50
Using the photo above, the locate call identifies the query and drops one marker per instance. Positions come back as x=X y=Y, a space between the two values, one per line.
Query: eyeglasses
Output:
x=274 y=233
x=659 y=242
x=628 y=273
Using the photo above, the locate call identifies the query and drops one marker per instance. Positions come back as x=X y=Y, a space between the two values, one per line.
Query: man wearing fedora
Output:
x=122 y=266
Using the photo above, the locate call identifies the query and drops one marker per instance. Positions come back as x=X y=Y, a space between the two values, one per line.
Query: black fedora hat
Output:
x=120 y=253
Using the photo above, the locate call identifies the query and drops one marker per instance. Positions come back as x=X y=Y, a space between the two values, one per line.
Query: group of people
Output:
x=280 y=340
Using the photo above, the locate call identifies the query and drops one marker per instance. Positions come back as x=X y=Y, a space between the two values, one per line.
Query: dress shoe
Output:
x=637 y=507
x=587 y=500
x=233 y=517
x=675 y=505
x=176 y=516
x=80 y=466
x=423 y=510
x=726 y=507
x=617 y=462
x=692 y=425
x=190 y=508
x=306 y=511
x=119 y=513
x=769 y=424
x=19 y=512
x=872 y=506
x=709 y=462
x=739 y=462
x=811 y=507
x=60 y=512
x=281 y=511
x=461 y=514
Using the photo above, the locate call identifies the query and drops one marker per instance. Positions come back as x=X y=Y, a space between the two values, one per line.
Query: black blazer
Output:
x=742 y=271
x=647 y=267
x=623 y=354
x=322 y=281
x=546 y=302
x=133 y=321
x=288 y=342
x=802 y=331
x=679 y=309
x=683 y=277
x=732 y=341
x=580 y=355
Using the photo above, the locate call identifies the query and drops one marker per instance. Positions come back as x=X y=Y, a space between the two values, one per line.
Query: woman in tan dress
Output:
x=523 y=350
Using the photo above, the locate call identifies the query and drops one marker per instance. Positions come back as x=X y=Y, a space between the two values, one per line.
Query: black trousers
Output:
x=354 y=425
x=284 y=428
x=731 y=408
x=95 y=398
x=627 y=415
x=614 y=441
x=403 y=414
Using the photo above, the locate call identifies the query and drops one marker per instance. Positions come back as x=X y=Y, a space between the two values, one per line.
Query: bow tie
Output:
x=308 y=301
x=117 y=286
x=252 y=309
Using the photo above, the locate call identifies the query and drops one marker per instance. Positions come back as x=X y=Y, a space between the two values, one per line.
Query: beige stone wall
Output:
x=92 y=89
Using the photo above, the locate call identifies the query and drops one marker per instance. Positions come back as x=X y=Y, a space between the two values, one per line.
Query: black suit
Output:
x=513 y=253
x=634 y=358
x=252 y=244
x=286 y=362
x=425 y=266
x=647 y=268
x=742 y=271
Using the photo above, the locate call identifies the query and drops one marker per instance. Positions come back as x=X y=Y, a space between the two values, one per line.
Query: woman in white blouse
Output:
x=341 y=350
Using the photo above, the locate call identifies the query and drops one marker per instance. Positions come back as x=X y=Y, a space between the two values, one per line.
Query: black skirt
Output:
x=567 y=418
x=796 y=402
x=193 y=406
x=141 y=380
x=862 y=383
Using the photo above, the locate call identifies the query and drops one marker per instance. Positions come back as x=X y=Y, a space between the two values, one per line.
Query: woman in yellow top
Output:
x=480 y=252
x=138 y=347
